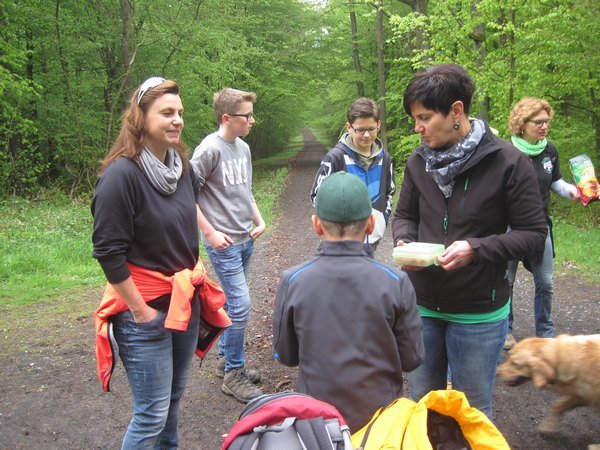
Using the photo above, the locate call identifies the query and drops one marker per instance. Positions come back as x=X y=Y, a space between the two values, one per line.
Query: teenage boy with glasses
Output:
x=230 y=221
x=361 y=153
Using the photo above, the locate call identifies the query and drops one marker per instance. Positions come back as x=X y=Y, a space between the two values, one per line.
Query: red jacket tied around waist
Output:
x=152 y=285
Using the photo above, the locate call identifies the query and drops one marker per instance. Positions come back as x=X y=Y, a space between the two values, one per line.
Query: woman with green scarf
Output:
x=529 y=123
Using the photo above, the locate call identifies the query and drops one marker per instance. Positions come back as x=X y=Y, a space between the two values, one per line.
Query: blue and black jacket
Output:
x=379 y=178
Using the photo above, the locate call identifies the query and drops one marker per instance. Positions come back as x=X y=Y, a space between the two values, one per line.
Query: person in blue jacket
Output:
x=361 y=153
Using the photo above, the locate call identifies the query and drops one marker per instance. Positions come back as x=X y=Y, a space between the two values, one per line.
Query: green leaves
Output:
x=514 y=49
x=68 y=68
x=88 y=57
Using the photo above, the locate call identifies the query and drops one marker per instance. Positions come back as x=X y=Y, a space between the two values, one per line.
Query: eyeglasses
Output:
x=371 y=131
x=541 y=123
x=248 y=116
x=150 y=83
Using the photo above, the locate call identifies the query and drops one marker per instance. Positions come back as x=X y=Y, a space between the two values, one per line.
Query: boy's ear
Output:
x=348 y=127
x=317 y=225
x=370 y=224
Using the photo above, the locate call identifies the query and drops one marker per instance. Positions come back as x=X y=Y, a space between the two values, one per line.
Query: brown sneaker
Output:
x=253 y=375
x=509 y=342
x=236 y=383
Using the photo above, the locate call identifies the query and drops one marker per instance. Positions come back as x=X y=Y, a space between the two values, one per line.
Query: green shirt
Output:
x=468 y=318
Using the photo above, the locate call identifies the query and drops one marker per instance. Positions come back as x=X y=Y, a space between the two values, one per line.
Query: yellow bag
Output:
x=386 y=429
x=404 y=424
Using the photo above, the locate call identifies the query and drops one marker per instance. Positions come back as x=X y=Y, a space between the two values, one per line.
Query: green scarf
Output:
x=527 y=147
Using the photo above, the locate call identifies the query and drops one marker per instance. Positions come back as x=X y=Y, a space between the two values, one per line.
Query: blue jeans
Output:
x=158 y=363
x=542 y=300
x=231 y=265
x=470 y=352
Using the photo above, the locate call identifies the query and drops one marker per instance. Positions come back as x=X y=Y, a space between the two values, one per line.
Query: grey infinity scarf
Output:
x=163 y=177
x=445 y=165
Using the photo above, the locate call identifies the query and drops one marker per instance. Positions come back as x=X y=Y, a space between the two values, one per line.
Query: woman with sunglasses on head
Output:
x=462 y=187
x=529 y=123
x=145 y=234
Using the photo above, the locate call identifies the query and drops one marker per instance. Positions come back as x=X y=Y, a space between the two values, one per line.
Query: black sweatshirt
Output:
x=134 y=223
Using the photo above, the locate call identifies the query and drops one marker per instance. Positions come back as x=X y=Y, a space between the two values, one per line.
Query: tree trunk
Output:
x=126 y=47
x=381 y=72
x=478 y=36
x=128 y=52
x=65 y=72
x=509 y=38
x=418 y=6
x=360 y=87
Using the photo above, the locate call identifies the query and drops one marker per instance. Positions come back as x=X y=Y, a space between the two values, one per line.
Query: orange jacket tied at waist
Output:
x=152 y=285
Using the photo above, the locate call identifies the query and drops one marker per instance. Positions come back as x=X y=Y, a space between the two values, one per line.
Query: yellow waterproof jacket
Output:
x=440 y=416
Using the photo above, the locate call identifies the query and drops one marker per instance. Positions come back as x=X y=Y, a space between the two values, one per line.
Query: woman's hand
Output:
x=574 y=193
x=130 y=294
x=400 y=243
x=147 y=315
x=458 y=254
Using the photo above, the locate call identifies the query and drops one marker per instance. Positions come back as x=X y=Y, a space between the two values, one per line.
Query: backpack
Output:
x=441 y=420
x=288 y=420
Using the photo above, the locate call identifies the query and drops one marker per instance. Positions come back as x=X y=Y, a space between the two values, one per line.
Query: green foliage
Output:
x=68 y=68
x=513 y=49
x=67 y=72
x=577 y=250
x=46 y=246
x=20 y=163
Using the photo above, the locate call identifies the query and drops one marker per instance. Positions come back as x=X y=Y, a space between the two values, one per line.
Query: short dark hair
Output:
x=341 y=230
x=438 y=87
x=363 y=108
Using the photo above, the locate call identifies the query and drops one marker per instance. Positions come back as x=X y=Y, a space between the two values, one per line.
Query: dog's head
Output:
x=530 y=359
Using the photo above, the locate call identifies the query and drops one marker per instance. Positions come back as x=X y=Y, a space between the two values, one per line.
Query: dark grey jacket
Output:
x=352 y=326
x=496 y=188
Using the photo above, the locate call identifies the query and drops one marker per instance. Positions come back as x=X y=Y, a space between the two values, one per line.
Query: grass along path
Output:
x=46 y=247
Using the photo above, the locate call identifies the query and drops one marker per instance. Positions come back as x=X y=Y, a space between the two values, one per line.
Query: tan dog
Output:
x=570 y=365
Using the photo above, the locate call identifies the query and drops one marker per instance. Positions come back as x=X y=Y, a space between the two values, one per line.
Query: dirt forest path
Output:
x=50 y=397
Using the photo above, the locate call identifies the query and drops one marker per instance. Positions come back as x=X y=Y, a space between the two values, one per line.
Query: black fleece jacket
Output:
x=135 y=223
x=497 y=187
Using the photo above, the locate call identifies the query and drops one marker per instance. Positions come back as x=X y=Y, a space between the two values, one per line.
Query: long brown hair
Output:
x=130 y=141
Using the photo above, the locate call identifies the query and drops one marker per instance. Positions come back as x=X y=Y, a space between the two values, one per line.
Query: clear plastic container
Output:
x=420 y=254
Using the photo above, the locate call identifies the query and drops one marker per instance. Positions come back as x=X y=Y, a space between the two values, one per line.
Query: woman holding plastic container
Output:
x=145 y=233
x=529 y=123
x=463 y=187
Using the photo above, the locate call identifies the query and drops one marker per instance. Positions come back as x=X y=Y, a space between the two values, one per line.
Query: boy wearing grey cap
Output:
x=350 y=323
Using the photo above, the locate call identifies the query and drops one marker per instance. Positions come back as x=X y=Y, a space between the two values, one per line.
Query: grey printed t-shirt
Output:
x=225 y=172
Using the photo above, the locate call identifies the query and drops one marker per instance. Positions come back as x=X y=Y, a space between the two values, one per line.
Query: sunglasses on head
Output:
x=150 y=83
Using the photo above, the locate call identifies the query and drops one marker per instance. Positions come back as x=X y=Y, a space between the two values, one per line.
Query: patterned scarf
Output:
x=163 y=177
x=445 y=165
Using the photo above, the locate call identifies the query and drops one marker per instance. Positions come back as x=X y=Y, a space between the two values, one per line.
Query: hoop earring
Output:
x=456 y=126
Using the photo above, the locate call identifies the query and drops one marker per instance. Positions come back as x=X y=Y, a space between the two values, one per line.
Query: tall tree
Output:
x=381 y=71
x=360 y=87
